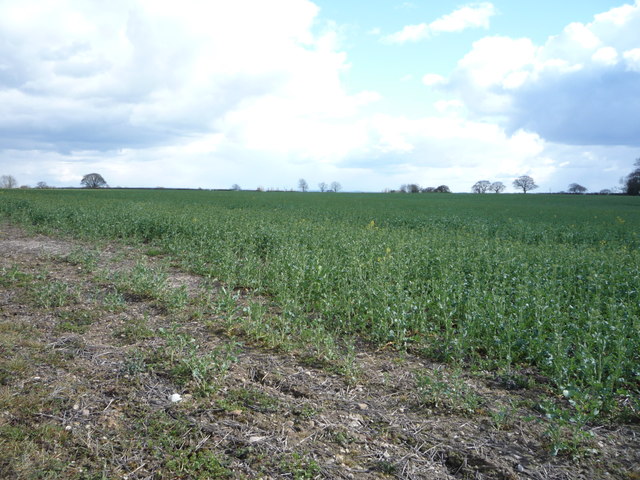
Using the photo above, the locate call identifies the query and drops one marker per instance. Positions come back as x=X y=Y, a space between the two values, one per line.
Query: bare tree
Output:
x=8 y=181
x=235 y=187
x=577 y=188
x=323 y=186
x=42 y=185
x=442 y=189
x=481 y=187
x=413 y=188
x=497 y=187
x=303 y=185
x=336 y=187
x=404 y=188
x=632 y=181
x=93 y=180
x=525 y=183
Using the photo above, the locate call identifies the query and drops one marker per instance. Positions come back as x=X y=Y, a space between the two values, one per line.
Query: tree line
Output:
x=630 y=185
x=303 y=186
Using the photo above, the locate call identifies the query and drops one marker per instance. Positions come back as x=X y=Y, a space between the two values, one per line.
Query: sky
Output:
x=373 y=95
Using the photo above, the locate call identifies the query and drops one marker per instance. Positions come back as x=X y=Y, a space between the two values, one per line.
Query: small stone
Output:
x=86 y=412
x=256 y=439
x=520 y=468
x=235 y=413
x=363 y=406
x=176 y=397
x=68 y=428
x=76 y=407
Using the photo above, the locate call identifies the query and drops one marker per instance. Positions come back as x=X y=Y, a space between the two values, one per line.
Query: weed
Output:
x=85 y=258
x=386 y=467
x=343 y=438
x=566 y=432
x=176 y=300
x=189 y=365
x=134 y=364
x=134 y=331
x=75 y=321
x=53 y=294
x=179 y=450
x=299 y=467
x=568 y=439
x=503 y=418
x=154 y=252
x=199 y=464
x=114 y=302
x=252 y=399
x=226 y=302
x=305 y=411
x=142 y=280
x=13 y=277
x=439 y=390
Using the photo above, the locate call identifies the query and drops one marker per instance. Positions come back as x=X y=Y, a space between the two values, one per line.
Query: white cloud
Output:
x=576 y=88
x=493 y=59
x=449 y=106
x=606 y=56
x=188 y=91
x=578 y=35
x=470 y=16
x=200 y=94
x=433 y=79
x=475 y=15
x=82 y=75
x=372 y=153
x=410 y=33
x=632 y=58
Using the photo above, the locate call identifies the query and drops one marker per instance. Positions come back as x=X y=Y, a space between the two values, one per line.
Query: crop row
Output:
x=503 y=284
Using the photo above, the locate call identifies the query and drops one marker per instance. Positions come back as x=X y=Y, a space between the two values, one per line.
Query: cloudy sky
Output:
x=200 y=93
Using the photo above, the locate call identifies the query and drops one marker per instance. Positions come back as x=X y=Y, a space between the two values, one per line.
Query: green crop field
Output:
x=500 y=282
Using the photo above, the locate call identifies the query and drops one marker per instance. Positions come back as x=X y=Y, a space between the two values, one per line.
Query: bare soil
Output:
x=85 y=392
